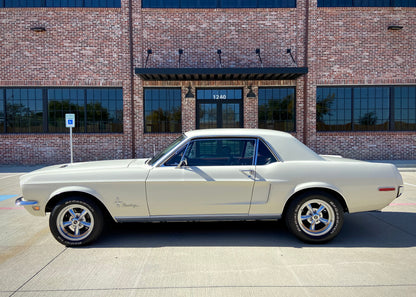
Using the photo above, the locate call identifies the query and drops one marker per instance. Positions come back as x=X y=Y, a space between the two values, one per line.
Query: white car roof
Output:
x=284 y=144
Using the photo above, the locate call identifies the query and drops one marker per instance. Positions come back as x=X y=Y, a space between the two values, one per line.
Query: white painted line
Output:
x=8 y=176
x=407 y=184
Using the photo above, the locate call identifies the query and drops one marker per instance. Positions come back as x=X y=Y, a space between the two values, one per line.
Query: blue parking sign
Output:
x=70 y=120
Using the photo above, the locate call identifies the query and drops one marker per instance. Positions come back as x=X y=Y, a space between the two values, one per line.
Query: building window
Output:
x=277 y=109
x=386 y=108
x=61 y=3
x=218 y=3
x=162 y=110
x=366 y=3
x=42 y=110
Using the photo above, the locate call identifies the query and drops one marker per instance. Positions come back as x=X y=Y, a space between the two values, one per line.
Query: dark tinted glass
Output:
x=60 y=3
x=217 y=3
x=371 y=109
x=405 y=108
x=61 y=102
x=2 y=111
x=42 y=110
x=24 y=110
x=162 y=110
x=366 y=3
x=220 y=152
x=264 y=155
x=334 y=109
x=387 y=108
x=277 y=109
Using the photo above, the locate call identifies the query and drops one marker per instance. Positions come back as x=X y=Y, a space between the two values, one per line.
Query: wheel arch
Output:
x=317 y=189
x=59 y=196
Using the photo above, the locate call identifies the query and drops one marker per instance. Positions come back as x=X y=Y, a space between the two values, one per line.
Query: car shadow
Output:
x=371 y=229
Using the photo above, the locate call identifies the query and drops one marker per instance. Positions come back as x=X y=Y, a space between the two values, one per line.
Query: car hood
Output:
x=83 y=167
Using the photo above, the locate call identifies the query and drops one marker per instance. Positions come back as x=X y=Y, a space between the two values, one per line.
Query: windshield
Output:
x=166 y=150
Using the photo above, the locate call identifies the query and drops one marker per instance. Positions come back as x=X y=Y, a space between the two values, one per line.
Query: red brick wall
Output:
x=81 y=47
x=90 y=47
x=352 y=46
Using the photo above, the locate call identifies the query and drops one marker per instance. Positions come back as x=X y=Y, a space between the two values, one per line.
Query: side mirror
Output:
x=183 y=163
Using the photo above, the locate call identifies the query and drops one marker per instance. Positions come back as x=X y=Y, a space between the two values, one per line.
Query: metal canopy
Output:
x=269 y=73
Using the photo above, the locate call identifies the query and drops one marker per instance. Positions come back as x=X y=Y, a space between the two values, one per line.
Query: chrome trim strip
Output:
x=231 y=217
x=20 y=202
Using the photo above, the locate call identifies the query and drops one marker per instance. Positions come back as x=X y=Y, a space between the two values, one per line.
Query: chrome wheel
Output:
x=316 y=217
x=75 y=222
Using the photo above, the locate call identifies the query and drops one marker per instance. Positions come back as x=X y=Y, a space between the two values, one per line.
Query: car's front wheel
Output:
x=76 y=221
x=315 y=217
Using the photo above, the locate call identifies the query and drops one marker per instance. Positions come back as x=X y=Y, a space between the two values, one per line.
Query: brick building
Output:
x=338 y=75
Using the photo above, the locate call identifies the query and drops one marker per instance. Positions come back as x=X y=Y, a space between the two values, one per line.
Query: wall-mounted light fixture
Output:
x=394 y=28
x=180 y=51
x=219 y=57
x=189 y=94
x=250 y=93
x=149 y=52
x=38 y=29
x=289 y=51
x=258 y=54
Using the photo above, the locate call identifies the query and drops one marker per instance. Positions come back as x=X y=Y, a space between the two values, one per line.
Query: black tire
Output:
x=76 y=221
x=315 y=217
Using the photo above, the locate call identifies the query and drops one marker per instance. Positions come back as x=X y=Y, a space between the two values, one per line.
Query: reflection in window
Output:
x=218 y=3
x=366 y=3
x=387 y=108
x=162 y=110
x=405 y=108
x=23 y=111
x=220 y=152
x=277 y=109
x=60 y=3
x=42 y=110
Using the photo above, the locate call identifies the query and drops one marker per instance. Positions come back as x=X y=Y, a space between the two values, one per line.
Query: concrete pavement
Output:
x=374 y=255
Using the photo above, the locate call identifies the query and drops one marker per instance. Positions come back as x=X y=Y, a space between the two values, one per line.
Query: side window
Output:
x=220 y=152
x=264 y=155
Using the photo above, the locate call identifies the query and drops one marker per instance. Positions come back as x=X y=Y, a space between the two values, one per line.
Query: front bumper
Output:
x=32 y=206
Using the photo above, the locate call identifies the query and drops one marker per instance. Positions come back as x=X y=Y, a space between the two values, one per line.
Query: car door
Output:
x=216 y=178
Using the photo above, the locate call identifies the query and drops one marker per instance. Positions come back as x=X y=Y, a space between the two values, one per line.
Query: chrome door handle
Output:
x=250 y=173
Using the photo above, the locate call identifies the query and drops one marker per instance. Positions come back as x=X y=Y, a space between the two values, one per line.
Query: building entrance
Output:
x=219 y=108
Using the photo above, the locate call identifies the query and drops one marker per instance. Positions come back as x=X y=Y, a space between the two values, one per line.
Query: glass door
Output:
x=219 y=108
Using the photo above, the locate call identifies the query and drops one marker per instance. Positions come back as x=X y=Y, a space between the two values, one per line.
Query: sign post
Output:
x=70 y=123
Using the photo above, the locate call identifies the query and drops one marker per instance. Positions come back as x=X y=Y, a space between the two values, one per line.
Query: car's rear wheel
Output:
x=315 y=217
x=76 y=221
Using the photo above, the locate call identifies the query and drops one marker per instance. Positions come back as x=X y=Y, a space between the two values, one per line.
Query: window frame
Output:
x=391 y=99
x=219 y=4
x=359 y=3
x=294 y=106
x=44 y=3
x=144 y=109
x=46 y=111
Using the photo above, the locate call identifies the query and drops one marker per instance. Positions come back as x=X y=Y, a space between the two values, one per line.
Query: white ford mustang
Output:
x=218 y=174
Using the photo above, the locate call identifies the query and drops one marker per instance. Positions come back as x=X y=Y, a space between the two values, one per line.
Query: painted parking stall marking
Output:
x=5 y=197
